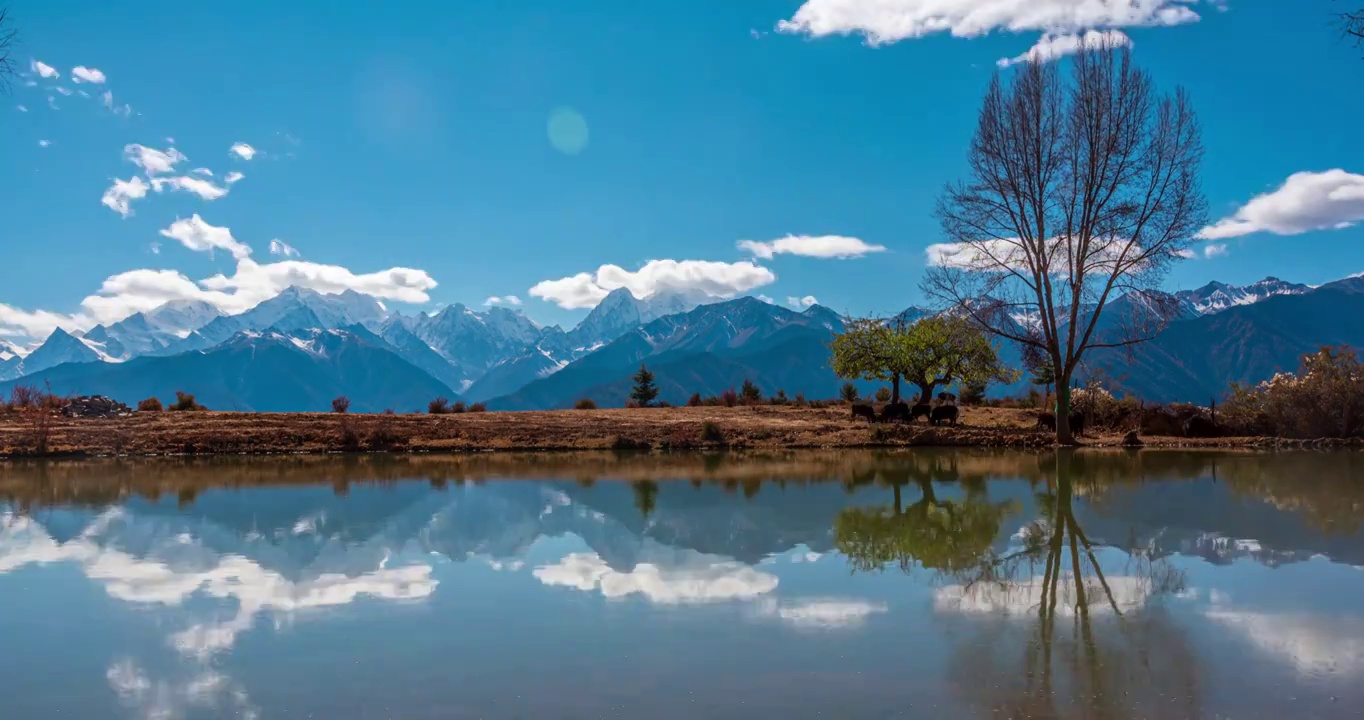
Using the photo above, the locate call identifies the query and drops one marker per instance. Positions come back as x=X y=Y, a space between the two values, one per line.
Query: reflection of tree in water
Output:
x=1094 y=650
x=646 y=496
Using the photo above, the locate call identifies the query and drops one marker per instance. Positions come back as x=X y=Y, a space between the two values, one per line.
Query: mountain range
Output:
x=299 y=349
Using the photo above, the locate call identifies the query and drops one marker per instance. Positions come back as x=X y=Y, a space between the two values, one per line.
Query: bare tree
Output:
x=9 y=37
x=1083 y=187
x=1352 y=21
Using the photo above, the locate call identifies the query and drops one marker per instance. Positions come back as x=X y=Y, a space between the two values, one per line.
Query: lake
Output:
x=933 y=584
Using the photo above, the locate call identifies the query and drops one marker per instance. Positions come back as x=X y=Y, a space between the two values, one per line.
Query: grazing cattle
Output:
x=864 y=410
x=1046 y=421
x=944 y=413
x=893 y=412
x=1198 y=426
x=921 y=410
x=1077 y=424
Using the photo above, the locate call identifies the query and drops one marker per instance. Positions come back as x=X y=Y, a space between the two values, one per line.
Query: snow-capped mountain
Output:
x=1216 y=297
x=293 y=309
x=476 y=341
x=59 y=348
x=10 y=361
x=620 y=312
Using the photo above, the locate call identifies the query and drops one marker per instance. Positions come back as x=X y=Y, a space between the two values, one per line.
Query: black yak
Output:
x=944 y=413
x=895 y=412
x=864 y=410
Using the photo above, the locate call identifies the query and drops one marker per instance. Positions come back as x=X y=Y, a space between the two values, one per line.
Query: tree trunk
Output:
x=926 y=392
x=1063 y=433
x=895 y=388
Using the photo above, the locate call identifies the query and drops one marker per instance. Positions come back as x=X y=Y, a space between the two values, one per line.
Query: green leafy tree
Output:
x=867 y=349
x=645 y=390
x=1039 y=366
x=932 y=352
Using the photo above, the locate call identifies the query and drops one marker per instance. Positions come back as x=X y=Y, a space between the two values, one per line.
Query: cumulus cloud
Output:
x=151 y=160
x=44 y=70
x=242 y=150
x=281 y=248
x=508 y=300
x=1306 y=201
x=199 y=236
x=800 y=303
x=688 y=577
x=1051 y=47
x=122 y=193
x=883 y=22
x=714 y=279
x=80 y=73
x=820 y=246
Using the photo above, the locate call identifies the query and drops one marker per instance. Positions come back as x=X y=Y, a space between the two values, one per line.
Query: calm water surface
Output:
x=838 y=585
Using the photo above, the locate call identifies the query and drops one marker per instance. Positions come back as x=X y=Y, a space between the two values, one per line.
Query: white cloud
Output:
x=44 y=143
x=201 y=171
x=243 y=151
x=714 y=279
x=1020 y=599
x=233 y=177
x=508 y=300
x=883 y=22
x=279 y=247
x=800 y=303
x=1051 y=47
x=52 y=103
x=203 y=188
x=821 y=613
x=155 y=247
x=766 y=299
x=120 y=195
x=108 y=99
x=199 y=236
x=1313 y=645
x=1306 y=201
x=1186 y=254
x=61 y=90
x=151 y=160
x=687 y=577
x=1214 y=250
x=21 y=108
x=43 y=69
x=816 y=246
x=80 y=73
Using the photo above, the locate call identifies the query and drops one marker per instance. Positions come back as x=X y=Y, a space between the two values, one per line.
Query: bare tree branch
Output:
x=9 y=38
x=1083 y=191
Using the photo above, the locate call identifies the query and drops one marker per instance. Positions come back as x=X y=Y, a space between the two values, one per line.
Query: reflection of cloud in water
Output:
x=666 y=576
x=1312 y=644
x=166 y=700
x=1023 y=596
x=821 y=613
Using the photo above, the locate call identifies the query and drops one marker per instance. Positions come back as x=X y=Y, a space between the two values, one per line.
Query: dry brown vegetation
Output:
x=687 y=428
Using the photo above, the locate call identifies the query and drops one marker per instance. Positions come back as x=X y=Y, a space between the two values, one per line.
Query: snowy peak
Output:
x=60 y=348
x=620 y=312
x=1216 y=296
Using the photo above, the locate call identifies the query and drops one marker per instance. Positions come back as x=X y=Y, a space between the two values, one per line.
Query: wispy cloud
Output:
x=151 y=160
x=198 y=186
x=80 y=73
x=196 y=234
x=283 y=249
x=44 y=143
x=45 y=71
x=800 y=303
x=1051 y=47
x=122 y=193
x=508 y=300
x=108 y=101
x=21 y=108
x=242 y=150
x=233 y=177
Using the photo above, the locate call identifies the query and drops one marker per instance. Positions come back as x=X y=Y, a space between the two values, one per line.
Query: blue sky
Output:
x=418 y=137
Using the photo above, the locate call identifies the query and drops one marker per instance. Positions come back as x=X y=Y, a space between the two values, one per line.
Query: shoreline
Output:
x=202 y=434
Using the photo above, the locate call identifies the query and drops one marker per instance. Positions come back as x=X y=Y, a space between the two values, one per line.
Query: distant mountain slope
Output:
x=1193 y=360
x=60 y=347
x=706 y=350
x=270 y=372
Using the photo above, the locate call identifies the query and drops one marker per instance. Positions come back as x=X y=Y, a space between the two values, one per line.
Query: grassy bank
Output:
x=761 y=427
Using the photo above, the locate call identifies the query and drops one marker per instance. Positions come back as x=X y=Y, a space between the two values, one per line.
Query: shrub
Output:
x=800 y=400
x=458 y=407
x=1325 y=398
x=585 y=404
x=184 y=402
x=694 y=400
x=389 y=411
x=151 y=404
x=439 y=406
x=632 y=405
x=341 y=404
x=710 y=433
x=883 y=394
x=729 y=398
x=750 y=394
x=478 y=407
x=22 y=397
x=780 y=398
x=848 y=393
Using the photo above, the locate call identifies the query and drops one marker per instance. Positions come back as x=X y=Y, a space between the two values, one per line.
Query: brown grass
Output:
x=756 y=427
